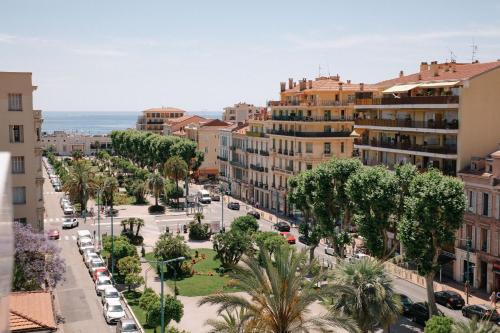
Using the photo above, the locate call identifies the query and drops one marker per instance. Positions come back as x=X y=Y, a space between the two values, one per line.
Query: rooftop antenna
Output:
x=453 y=57
x=474 y=50
x=319 y=70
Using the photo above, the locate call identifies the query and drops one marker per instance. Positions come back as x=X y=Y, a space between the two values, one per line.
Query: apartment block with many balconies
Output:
x=439 y=117
x=155 y=119
x=21 y=137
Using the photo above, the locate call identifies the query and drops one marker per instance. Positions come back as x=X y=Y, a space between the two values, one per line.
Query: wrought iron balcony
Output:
x=446 y=149
x=444 y=124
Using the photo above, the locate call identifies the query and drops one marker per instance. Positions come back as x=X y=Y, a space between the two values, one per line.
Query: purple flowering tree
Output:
x=37 y=261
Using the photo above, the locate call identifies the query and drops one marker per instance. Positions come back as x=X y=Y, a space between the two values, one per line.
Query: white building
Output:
x=241 y=112
x=64 y=144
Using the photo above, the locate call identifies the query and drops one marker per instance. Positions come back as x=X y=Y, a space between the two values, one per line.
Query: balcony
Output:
x=37 y=114
x=264 y=152
x=309 y=118
x=311 y=134
x=286 y=170
x=445 y=124
x=433 y=149
x=409 y=100
x=222 y=158
x=251 y=150
x=257 y=167
x=326 y=102
x=256 y=134
x=238 y=164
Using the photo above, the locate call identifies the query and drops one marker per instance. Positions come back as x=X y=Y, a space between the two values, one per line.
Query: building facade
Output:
x=241 y=112
x=430 y=118
x=65 y=144
x=153 y=120
x=481 y=225
x=176 y=126
x=21 y=136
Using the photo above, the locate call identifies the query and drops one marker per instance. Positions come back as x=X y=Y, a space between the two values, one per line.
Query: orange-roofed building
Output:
x=31 y=312
x=441 y=116
x=176 y=126
x=154 y=119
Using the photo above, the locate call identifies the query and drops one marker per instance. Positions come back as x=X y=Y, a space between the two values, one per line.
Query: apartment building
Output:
x=65 y=144
x=441 y=116
x=239 y=163
x=241 y=112
x=154 y=120
x=176 y=126
x=206 y=136
x=481 y=225
x=21 y=136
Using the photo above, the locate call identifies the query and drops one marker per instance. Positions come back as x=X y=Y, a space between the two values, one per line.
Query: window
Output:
x=486 y=204
x=309 y=147
x=15 y=102
x=309 y=166
x=472 y=201
x=38 y=134
x=17 y=164
x=19 y=195
x=206 y=149
x=498 y=206
x=16 y=133
x=328 y=129
x=21 y=220
x=341 y=147
x=484 y=240
x=327 y=148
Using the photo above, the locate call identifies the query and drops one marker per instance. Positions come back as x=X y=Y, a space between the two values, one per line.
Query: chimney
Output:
x=302 y=84
x=401 y=74
x=310 y=84
x=340 y=86
x=361 y=87
x=419 y=76
x=423 y=66
x=434 y=68
x=290 y=83
x=348 y=81
x=282 y=86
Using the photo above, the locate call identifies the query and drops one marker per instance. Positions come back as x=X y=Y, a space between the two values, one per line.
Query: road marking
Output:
x=66 y=237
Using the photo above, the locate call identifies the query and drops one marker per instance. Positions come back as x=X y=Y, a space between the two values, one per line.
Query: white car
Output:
x=69 y=223
x=113 y=311
x=108 y=294
x=330 y=251
x=68 y=210
x=82 y=234
x=358 y=256
x=85 y=244
x=96 y=264
x=102 y=283
x=64 y=202
x=88 y=256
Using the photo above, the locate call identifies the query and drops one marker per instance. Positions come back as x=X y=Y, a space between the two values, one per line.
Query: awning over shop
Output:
x=400 y=88
x=438 y=84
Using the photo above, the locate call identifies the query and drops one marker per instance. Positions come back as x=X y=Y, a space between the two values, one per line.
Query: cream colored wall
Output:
x=21 y=83
x=208 y=143
x=64 y=144
x=479 y=117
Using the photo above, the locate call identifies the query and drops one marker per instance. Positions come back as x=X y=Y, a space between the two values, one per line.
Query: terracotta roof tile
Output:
x=31 y=310
x=164 y=109
x=215 y=122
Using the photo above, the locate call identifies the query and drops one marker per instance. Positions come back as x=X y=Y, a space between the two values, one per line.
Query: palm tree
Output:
x=97 y=144
x=474 y=326
x=374 y=302
x=155 y=185
x=175 y=168
x=138 y=224
x=198 y=217
x=280 y=296
x=232 y=322
x=80 y=182
x=110 y=187
x=124 y=225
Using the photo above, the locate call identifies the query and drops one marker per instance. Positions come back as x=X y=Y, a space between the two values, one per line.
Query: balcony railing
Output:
x=287 y=170
x=447 y=149
x=222 y=158
x=264 y=152
x=409 y=100
x=311 y=134
x=252 y=151
x=309 y=118
x=257 y=167
x=326 y=102
x=238 y=164
x=256 y=134
x=444 y=124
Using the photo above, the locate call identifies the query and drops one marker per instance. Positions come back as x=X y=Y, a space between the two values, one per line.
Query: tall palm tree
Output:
x=155 y=185
x=80 y=182
x=175 y=168
x=474 y=326
x=375 y=302
x=231 y=322
x=198 y=217
x=110 y=187
x=138 y=224
x=280 y=296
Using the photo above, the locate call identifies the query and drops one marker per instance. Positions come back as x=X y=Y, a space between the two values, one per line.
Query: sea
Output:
x=96 y=122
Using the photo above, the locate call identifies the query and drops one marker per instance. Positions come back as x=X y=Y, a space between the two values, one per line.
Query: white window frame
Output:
x=15 y=102
x=18 y=165
x=19 y=195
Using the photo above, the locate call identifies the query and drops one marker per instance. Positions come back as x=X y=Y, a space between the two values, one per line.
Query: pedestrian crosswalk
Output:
x=53 y=219
x=49 y=192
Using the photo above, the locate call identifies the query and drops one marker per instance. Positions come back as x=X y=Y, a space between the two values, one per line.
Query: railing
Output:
x=238 y=164
x=445 y=124
x=327 y=102
x=251 y=150
x=222 y=158
x=286 y=170
x=449 y=149
x=264 y=152
x=409 y=100
x=309 y=118
x=37 y=114
x=257 y=167
x=256 y=134
x=311 y=134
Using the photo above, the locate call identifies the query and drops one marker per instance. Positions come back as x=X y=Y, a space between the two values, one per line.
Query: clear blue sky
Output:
x=204 y=55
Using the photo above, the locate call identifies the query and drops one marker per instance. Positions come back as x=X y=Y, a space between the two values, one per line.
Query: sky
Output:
x=204 y=55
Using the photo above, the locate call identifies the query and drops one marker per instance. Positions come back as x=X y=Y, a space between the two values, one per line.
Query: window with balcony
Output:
x=15 y=102
x=309 y=147
x=328 y=129
x=21 y=220
x=19 y=195
x=17 y=164
x=327 y=148
x=472 y=198
x=309 y=166
x=16 y=133
x=484 y=240
x=486 y=204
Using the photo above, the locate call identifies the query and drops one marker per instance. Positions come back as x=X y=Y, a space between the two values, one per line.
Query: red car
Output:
x=53 y=234
x=100 y=272
x=288 y=236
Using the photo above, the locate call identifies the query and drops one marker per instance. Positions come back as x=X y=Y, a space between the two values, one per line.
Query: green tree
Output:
x=173 y=310
x=474 y=326
x=147 y=298
x=373 y=191
x=130 y=269
x=172 y=192
x=138 y=189
x=438 y=324
x=374 y=302
x=198 y=217
x=176 y=169
x=156 y=183
x=122 y=248
x=110 y=187
x=198 y=231
x=434 y=212
x=77 y=155
x=279 y=300
x=245 y=224
x=139 y=223
x=79 y=182
x=270 y=241
x=230 y=322
x=170 y=247
x=230 y=246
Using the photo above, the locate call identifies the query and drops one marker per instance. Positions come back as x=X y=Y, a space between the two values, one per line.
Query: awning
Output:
x=355 y=134
x=400 y=88
x=439 y=84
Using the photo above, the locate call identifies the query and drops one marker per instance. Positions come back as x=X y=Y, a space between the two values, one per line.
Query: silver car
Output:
x=109 y=293
x=95 y=264
x=127 y=326
x=69 y=223
x=85 y=244
x=89 y=256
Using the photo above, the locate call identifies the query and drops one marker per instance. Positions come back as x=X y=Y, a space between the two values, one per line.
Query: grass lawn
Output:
x=133 y=300
x=202 y=284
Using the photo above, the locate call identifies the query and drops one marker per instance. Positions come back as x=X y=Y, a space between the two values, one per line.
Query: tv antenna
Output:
x=453 y=57
x=319 y=70
x=474 y=51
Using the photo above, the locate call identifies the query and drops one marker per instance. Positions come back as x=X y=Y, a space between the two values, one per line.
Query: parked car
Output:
x=288 y=236
x=85 y=244
x=102 y=283
x=330 y=251
x=53 y=234
x=304 y=240
x=113 y=311
x=96 y=264
x=103 y=271
x=406 y=302
x=233 y=205
x=254 y=213
x=215 y=197
x=282 y=226
x=419 y=312
x=127 y=326
x=450 y=299
x=69 y=223
x=204 y=197
x=481 y=312
x=89 y=256
x=357 y=256
x=109 y=293
x=82 y=234
x=68 y=210
x=64 y=201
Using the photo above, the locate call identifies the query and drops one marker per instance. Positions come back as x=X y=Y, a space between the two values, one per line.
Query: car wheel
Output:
x=448 y=305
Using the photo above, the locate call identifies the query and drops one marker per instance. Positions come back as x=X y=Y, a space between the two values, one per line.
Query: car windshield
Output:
x=112 y=294
x=96 y=264
x=104 y=282
x=129 y=327
x=86 y=244
x=115 y=308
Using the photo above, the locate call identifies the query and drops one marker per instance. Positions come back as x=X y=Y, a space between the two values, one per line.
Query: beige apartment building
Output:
x=65 y=144
x=176 y=126
x=441 y=116
x=21 y=136
x=481 y=224
x=154 y=120
x=241 y=112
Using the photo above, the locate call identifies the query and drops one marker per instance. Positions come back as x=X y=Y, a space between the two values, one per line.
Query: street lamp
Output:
x=221 y=187
x=99 y=198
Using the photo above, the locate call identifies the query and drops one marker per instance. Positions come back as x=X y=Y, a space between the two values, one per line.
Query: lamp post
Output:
x=112 y=239
x=99 y=197
x=221 y=187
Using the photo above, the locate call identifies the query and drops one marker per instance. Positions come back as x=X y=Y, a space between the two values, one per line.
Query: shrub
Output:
x=198 y=231
x=438 y=324
x=156 y=209
x=168 y=247
x=172 y=192
x=245 y=224
x=230 y=246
